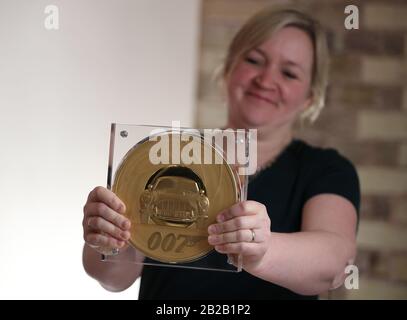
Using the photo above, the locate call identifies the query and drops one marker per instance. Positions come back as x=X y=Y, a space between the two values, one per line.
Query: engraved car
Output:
x=174 y=201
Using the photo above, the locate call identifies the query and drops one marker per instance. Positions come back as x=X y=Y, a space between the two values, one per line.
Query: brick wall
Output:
x=365 y=119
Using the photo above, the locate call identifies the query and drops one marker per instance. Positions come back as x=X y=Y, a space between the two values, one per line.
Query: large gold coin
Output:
x=172 y=205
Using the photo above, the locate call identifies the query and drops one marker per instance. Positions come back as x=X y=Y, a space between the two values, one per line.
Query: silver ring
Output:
x=108 y=251
x=115 y=251
x=253 y=235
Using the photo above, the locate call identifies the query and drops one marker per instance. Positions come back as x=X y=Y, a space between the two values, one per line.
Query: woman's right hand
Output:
x=104 y=227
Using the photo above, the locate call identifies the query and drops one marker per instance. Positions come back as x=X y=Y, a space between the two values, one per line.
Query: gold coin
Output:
x=171 y=206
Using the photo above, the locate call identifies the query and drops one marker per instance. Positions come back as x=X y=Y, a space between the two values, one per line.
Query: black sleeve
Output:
x=335 y=174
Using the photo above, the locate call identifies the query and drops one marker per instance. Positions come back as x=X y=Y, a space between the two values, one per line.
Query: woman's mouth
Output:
x=260 y=97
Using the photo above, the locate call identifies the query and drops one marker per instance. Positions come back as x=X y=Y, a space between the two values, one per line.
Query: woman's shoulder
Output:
x=326 y=170
x=318 y=156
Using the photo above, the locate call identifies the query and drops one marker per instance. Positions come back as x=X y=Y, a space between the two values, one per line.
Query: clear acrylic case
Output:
x=168 y=224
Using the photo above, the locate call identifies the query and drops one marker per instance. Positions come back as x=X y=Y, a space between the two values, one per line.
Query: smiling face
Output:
x=271 y=84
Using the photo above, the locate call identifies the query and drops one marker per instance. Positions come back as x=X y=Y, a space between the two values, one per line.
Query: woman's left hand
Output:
x=244 y=228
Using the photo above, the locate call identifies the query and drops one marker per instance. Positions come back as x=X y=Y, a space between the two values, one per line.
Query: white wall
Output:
x=110 y=61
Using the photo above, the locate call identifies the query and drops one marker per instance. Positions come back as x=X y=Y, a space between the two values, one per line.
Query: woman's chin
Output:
x=258 y=119
x=253 y=117
x=256 y=123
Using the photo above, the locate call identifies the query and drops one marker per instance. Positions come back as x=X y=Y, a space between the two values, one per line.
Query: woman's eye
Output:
x=289 y=74
x=252 y=60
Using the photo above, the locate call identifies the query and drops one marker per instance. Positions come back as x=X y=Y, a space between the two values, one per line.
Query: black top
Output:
x=299 y=173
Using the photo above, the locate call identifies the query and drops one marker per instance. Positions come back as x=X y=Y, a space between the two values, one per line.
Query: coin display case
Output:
x=174 y=181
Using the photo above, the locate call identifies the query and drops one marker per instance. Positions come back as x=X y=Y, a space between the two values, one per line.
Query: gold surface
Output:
x=171 y=206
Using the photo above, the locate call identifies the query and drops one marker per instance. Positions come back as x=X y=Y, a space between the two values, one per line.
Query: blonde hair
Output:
x=258 y=28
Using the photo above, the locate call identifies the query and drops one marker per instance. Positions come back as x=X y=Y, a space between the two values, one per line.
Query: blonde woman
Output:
x=297 y=230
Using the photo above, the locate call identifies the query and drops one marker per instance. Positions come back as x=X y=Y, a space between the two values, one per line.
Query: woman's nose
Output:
x=267 y=79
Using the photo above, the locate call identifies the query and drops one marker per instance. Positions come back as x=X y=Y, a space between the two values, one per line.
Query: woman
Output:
x=297 y=232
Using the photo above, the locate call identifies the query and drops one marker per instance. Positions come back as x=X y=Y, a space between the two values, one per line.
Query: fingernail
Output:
x=218 y=248
x=125 y=235
x=122 y=208
x=212 y=239
x=212 y=229
x=220 y=218
x=126 y=224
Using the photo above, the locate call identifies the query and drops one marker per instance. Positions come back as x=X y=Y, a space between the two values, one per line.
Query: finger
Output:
x=102 y=210
x=239 y=209
x=101 y=225
x=231 y=237
x=239 y=223
x=244 y=248
x=96 y=240
x=100 y=194
x=233 y=259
